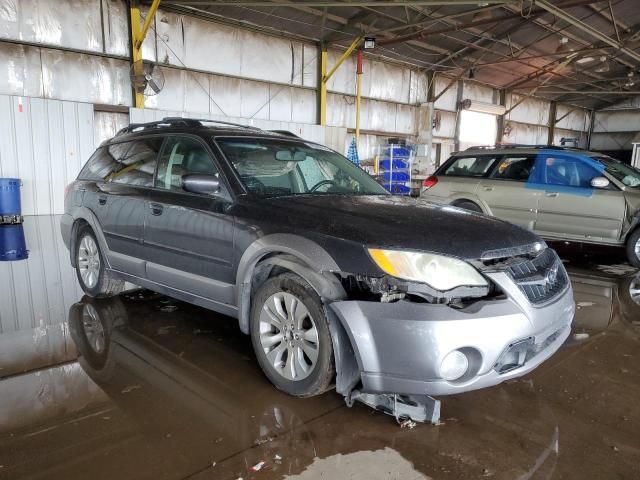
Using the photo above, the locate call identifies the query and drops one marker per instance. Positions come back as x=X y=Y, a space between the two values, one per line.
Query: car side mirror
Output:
x=600 y=182
x=201 y=183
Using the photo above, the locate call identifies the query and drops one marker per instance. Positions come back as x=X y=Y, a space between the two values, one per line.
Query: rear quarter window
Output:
x=472 y=166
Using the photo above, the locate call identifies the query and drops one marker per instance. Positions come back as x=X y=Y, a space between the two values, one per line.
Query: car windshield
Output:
x=622 y=172
x=276 y=167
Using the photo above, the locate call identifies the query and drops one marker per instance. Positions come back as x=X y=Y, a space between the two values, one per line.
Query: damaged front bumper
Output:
x=400 y=346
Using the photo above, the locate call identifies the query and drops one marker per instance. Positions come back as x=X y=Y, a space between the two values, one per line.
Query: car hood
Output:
x=400 y=223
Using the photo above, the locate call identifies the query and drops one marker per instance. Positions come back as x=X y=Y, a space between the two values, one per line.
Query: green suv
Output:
x=559 y=193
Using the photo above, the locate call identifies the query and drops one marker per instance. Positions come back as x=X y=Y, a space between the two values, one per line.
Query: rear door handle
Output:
x=488 y=189
x=156 y=208
x=551 y=194
x=102 y=200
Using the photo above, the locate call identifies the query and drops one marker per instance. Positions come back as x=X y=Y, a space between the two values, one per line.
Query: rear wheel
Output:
x=633 y=248
x=468 y=205
x=94 y=278
x=290 y=336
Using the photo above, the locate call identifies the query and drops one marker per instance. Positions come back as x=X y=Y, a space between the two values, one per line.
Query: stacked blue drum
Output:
x=395 y=168
x=12 y=242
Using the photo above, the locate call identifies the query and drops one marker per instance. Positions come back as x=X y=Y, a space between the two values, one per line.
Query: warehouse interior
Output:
x=180 y=394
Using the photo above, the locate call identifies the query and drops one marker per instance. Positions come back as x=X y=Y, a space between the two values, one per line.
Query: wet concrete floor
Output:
x=143 y=386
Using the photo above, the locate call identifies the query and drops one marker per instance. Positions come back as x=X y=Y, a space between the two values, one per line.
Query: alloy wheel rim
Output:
x=89 y=261
x=93 y=329
x=288 y=336
x=637 y=249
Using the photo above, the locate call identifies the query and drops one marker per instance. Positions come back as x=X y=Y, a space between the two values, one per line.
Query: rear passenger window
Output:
x=470 y=166
x=131 y=163
x=516 y=168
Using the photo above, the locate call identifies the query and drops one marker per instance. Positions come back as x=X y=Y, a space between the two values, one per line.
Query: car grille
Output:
x=541 y=278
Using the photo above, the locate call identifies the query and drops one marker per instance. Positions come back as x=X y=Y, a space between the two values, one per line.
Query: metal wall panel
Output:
x=107 y=124
x=612 y=141
x=446 y=126
x=45 y=143
x=115 y=26
x=527 y=134
x=332 y=137
x=64 y=23
x=617 y=121
x=449 y=99
x=418 y=87
x=532 y=111
x=575 y=119
x=478 y=92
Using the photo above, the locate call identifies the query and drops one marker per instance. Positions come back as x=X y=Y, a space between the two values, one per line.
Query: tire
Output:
x=94 y=278
x=469 y=205
x=279 y=350
x=633 y=248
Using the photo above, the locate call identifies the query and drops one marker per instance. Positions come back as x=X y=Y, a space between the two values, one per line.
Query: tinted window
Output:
x=568 y=172
x=516 y=168
x=129 y=162
x=276 y=167
x=138 y=164
x=470 y=166
x=180 y=156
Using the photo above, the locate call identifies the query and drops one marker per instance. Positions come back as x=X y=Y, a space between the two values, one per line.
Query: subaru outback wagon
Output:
x=559 y=193
x=333 y=278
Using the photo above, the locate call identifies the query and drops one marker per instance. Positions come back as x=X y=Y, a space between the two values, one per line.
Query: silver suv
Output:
x=559 y=193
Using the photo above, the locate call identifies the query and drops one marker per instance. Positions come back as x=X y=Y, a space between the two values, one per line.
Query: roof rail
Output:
x=519 y=145
x=174 y=121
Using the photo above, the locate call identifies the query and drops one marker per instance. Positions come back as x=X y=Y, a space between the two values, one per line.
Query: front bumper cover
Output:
x=400 y=346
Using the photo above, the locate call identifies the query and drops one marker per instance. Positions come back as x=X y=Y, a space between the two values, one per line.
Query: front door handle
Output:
x=102 y=200
x=488 y=189
x=551 y=194
x=156 y=208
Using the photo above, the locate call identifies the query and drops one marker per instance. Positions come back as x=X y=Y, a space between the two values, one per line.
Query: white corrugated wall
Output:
x=44 y=143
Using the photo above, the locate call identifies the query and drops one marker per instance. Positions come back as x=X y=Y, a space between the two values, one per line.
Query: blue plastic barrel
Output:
x=10 y=196
x=12 y=243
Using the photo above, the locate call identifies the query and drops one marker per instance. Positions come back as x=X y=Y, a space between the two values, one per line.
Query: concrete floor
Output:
x=177 y=393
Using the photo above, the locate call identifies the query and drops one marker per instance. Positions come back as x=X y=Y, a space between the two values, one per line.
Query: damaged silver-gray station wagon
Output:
x=335 y=280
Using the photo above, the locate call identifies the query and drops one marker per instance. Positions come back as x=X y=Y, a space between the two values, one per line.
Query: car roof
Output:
x=169 y=125
x=523 y=149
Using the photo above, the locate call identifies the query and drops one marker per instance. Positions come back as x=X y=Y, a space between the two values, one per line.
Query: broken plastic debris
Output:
x=408 y=423
x=580 y=336
x=258 y=466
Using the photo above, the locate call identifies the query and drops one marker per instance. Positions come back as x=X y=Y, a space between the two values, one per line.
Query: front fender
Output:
x=83 y=213
x=298 y=254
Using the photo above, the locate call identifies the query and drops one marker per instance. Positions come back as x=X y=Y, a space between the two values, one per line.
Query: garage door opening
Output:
x=477 y=128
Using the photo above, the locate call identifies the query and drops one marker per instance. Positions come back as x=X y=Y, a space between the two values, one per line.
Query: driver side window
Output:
x=568 y=172
x=181 y=156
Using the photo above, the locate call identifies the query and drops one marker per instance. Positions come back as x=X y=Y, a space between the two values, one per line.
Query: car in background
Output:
x=559 y=193
x=333 y=278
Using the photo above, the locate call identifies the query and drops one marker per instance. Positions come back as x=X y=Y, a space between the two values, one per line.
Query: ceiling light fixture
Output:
x=604 y=65
x=563 y=47
x=369 y=43
x=585 y=60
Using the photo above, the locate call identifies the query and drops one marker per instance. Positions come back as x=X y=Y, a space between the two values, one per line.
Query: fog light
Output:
x=454 y=365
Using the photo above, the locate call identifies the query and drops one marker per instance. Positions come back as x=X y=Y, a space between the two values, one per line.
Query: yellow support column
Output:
x=137 y=37
x=323 y=87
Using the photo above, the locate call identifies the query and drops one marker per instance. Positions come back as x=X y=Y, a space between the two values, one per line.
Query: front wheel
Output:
x=633 y=248
x=94 y=278
x=469 y=205
x=290 y=336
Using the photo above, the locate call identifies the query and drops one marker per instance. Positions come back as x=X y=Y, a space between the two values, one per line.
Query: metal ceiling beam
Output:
x=328 y=3
x=576 y=22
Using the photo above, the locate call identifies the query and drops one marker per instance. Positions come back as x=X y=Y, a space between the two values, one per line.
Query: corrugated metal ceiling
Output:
x=512 y=45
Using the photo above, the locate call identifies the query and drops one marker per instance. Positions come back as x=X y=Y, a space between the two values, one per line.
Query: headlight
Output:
x=442 y=273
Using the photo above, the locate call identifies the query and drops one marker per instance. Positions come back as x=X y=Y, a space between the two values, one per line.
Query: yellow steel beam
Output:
x=138 y=35
x=342 y=58
x=323 y=88
x=325 y=76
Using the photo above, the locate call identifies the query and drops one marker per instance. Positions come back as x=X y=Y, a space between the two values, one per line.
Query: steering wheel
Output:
x=322 y=182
